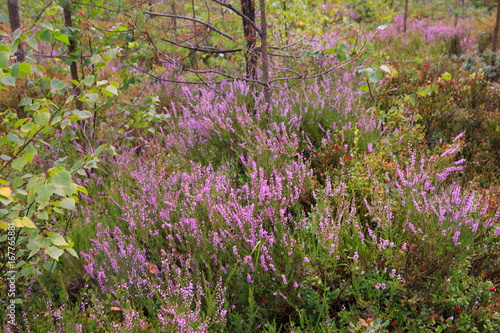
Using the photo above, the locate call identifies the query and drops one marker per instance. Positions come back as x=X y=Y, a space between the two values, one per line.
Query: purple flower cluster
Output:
x=433 y=30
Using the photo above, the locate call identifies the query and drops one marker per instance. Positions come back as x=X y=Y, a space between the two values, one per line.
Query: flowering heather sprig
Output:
x=447 y=206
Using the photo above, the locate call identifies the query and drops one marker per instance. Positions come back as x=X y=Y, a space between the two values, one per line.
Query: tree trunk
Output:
x=248 y=9
x=405 y=17
x=71 y=49
x=265 y=55
x=15 y=23
x=494 y=42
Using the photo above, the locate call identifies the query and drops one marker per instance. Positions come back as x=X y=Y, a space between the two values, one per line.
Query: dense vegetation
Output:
x=208 y=166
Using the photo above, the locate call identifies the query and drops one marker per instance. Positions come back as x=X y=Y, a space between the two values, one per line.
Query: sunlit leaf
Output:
x=68 y=203
x=112 y=89
x=24 y=222
x=58 y=240
x=63 y=38
x=5 y=191
x=446 y=76
x=42 y=119
x=62 y=180
x=54 y=252
x=19 y=163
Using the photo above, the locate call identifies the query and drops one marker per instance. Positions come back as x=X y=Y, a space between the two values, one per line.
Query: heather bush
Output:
x=426 y=37
x=451 y=97
x=362 y=200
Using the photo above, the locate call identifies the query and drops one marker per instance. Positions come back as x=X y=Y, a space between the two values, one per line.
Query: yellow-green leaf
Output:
x=5 y=191
x=54 y=252
x=24 y=222
x=58 y=240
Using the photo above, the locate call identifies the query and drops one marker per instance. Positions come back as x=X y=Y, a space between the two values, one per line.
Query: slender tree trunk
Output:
x=265 y=55
x=15 y=23
x=459 y=8
x=248 y=9
x=71 y=49
x=494 y=42
x=193 y=56
x=405 y=17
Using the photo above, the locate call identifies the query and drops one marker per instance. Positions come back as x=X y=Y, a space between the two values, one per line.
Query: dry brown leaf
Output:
x=153 y=269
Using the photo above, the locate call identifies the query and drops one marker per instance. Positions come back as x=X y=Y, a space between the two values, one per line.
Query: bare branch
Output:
x=199 y=49
x=329 y=70
x=194 y=20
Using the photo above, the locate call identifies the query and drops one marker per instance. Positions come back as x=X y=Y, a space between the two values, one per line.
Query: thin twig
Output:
x=194 y=20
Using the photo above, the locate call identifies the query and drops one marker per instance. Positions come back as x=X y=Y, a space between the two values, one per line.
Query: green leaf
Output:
x=47 y=25
x=57 y=85
x=8 y=80
x=4 y=59
x=72 y=252
x=18 y=181
x=110 y=54
x=17 y=33
x=32 y=42
x=12 y=137
x=25 y=68
x=446 y=76
x=112 y=90
x=44 y=192
x=100 y=149
x=65 y=123
x=63 y=38
x=42 y=215
x=90 y=165
x=88 y=80
x=68 y=203
x=95 y=59
x=25 y=101
x=42 y=119
x=81 y=115
x=112 y=151
x=20 y=122
x=90 y=98
x=4 y=18
x=27 y=127
x=34 y=247
x=50 y=266
x=15 y=71
x=54 y=252
x=58 y=240
x=27 y=271
x=375 y=76
x=46 y=36
x=19 y=163
x=62 y=180
x=119 y=28
x=54 y=170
